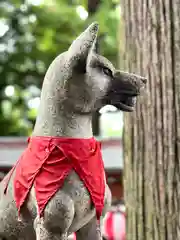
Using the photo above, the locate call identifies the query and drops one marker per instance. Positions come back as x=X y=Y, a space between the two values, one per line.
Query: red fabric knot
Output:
x=46 y=163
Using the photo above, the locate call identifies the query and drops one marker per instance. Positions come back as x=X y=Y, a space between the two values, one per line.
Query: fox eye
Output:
x=107 y=71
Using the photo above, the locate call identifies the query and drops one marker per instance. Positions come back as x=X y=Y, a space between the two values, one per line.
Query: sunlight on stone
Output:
x=34 y=103
x=81 y=11
x=9 y=91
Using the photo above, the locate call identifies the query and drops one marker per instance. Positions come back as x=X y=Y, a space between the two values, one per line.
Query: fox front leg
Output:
x=42 y=233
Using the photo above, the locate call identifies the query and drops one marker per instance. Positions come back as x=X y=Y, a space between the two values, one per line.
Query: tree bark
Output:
x=152 y=132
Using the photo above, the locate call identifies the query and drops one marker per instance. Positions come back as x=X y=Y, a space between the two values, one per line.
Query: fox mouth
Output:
x=124 y=101
x=127 y=102
x=124 y=90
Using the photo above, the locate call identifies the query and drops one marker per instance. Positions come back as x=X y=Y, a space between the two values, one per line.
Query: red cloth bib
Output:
x=48 y=160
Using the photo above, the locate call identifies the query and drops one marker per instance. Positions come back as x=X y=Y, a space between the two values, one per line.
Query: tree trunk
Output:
x=152 y=132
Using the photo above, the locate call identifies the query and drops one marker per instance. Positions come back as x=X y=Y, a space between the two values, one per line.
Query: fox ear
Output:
x=81 y=46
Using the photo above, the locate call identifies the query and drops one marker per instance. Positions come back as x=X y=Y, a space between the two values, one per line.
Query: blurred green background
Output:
x=32 y=33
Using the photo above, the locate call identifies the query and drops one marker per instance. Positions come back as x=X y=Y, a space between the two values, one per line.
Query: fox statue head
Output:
x=78 y=82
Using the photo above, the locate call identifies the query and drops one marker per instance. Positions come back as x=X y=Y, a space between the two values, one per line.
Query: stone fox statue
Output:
x=58 y=185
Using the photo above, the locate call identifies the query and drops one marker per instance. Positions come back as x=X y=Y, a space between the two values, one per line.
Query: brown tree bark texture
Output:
x=152 y=132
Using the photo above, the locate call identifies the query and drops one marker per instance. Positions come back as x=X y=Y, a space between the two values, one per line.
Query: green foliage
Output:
x=30 y=37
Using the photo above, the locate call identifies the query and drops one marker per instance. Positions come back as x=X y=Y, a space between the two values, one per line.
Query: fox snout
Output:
x=130 y=83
